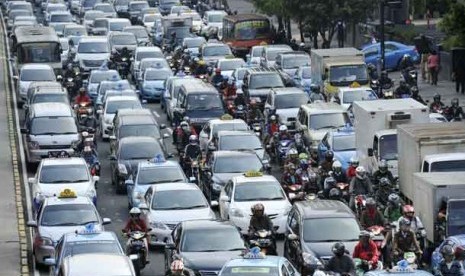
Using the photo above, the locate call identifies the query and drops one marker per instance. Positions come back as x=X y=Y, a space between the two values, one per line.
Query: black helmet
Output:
x=315 y=88
x=447 y=250
x=329 y=155
x=334 y=193
x=394 y=199
x=404 y=222
x=414 y=90
x=384 y=182
x=437 y=97
x=338 y=249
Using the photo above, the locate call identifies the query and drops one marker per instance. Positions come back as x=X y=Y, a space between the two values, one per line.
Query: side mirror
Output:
x=214 y=203
x=95 y=178
x=134 y=257
x=143 y=206
x=292 y=237
x=112 y=157
x=49 y=262
x=31 y=180
x=170 y=246
x=16 y=77
x=112 y=137
x=192 y=179
x=370 y=152
x=24 y=131
x=129 y=182
x=32 y=223
x=224 y=198
x=106 y=221
x=162 y=126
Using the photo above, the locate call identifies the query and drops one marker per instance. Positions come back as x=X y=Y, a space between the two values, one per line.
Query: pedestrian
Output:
x=340 y=34
x=433 y=67
x=428 y=17
x=458 y=75
x=424 y=50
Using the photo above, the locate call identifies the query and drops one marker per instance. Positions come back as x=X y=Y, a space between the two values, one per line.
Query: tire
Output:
x=137 y=266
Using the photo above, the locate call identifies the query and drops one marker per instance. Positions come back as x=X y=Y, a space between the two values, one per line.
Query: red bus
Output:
x=242 y=31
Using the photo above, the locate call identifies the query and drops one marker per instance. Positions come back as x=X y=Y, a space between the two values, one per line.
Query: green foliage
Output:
x=403 y=33
x=453 y=24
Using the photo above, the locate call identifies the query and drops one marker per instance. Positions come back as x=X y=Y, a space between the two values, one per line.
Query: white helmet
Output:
x=273 y=118
x=134 y=211
x=360 y=172
x=177 y=265
x=282 y=128
x=337 y=165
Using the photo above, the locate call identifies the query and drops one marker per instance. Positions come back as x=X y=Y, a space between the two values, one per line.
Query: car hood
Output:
x=56 y=232
x=222 y=178
x=208 y=260
x=227 y=73
x=194 y=51
x=155 y=84
x=259 y=92
x=131 y=165
x=92 y=88
x=205 y=115
x=53 y=189
x=176 y=216
x=344 y=157
x=287 y=113
x=317 y=135
x=57 y=139
x=322 y=250
x=271 y=206
x=290 y=71
x=90 y=56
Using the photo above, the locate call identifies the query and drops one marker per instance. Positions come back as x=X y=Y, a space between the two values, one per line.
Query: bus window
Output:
x=39 y=53
x=255 y=29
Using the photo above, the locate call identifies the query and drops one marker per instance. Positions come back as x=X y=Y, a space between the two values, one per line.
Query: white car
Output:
x=212 y=127
x=242 y=192
x=347 y=95
x=57 y=174
x=255 y=54
x=92 y=52
x=30 y=73
x=213 y=18
x=169 y=204
x=111 y=105
x=227 y=65
x=142 y=52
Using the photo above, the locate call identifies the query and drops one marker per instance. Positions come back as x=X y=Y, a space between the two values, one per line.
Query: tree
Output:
x=453 y=24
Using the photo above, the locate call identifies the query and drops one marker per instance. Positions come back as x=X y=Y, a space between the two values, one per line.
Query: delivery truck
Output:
x=338 y=67
x=440 y=193
x=429 y=148
x=375 y=129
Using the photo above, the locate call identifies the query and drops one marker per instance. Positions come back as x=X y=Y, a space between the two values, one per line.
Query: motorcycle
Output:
x=411 y=77
x=363 y=266
x=377 y=232
x=256 y=126
x=240 y=112
x=294 y=192
x=282 y=147
x=438 y=109
x=123 y=67
x=85 y=114
x=344 y=189
x=360 y=205
x=137 y=246
x=265 y=240
x=299 y=143
x=388 y=94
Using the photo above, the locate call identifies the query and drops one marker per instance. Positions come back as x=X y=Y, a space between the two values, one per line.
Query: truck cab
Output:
x=384 y=147
x=444 y=162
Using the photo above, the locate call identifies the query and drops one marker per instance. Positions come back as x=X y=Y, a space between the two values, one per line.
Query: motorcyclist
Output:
x=415 y=222
x=182 y=133
x=135 y=223
x=230 y=89
x=259 y=221
x=315 y=93
x=372 y=71
x=405 y=241
x=82 y=98
x=173 y=41
x=384 y=190
x=382 y=172
x=371 y=216
x=385 y=80
x=292 y=158
x=177 y=267
x=114 y=57
x=284 y=133
x=125 y=54
x=273 y=125
x=341 y=262
x=366 y=250
x=327 y=164
x=89 y=155
x=191 y=152
x=338 y=174
x=448 y=266
x=254 y=112
x=405 y=65
x=455 y=112
x=69 y=73
x=291 y=177
x=217 y=79
x=436 y=105
x=393 y=210
x=403 y=89
x=351 y=169
x=359 y=185
x=328 y=184
x=416 y=96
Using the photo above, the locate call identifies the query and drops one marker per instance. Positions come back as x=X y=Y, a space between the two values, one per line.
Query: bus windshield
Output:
x=253 y=29
x=40 y=52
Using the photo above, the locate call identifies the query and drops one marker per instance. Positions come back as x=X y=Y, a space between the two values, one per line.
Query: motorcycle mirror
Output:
x=95 y=178
x=192 y=179
x=134 y=257
x=162 y=126
x=214 y=203
x=292 y=237
x=50 y=262
x=106 y=221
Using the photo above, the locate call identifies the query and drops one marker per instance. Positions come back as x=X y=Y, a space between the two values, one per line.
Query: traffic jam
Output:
x=167 y=137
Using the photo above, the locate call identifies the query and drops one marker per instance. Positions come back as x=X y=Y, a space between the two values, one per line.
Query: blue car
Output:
x=394 y=51
x=341 y=142
x=152 y=84
x=454 y=241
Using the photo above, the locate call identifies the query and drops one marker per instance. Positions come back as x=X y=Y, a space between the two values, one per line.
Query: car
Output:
x=58 y=215
x=240 y=141
x=89 y=17
x=259 y=82
x=134 y=9
x=58 y=20
x=86 y=5
x=244 y=191
x=456 y=241
x=106 y=8
x=31 y=73
x=117 y=24
x=167 y=204
x=394 y=52
x=74 y=30
x=227 y=65
x=47 y=95
x=165 y=6
x=97 y=264
x=120 y=40
x=255 y=55
x=197 y=22
x=84 y=242
x=142 y=36
x=152 y=84
x=312 y=229
x=437 y=118
x=213 y=19
x=99 y=26
x=158 y=63
x=211 y=52
x=204 y=245
x=152 y=172
x=221 y=166
x=141 y=53
x=289 y=62
x=111 y=105
x=150 y=10
x=52 y=7
x=180 y=9
x=121 y=7
x=251 y=264
x=238 y=77
x=342 y=143
x=285 y=102
x=270 y=52
x=108 y=85
x=98 y=76
x=16 y=13
x=210 y=131
x=192 y=44
x=170 y=96
x=91 y=53
x=347 y=95
x=149 y=21
x=129 y=152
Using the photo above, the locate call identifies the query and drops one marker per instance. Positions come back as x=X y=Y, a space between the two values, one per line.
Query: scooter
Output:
x=360 y=205
x=363 y=266
x=137 y=246
x=265 y=240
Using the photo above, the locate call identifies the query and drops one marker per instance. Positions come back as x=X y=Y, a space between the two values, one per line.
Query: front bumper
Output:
x=160 y=237
x=36 y=155
x=243 y=223
x=44 y=251
x=151 y=94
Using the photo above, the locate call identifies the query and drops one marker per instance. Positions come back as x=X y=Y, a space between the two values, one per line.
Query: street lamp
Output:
x=382 y=4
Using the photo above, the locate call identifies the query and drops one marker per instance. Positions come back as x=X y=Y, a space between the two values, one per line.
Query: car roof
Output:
x=242 y=179
x=112 y=20
x=93 y=39
x=91 y=263
x=35 y=66
x=175 y=187
x=149 y=164
x=233 y=121
x=55 y=200
x=94 y=236
x=323 y=107
x=122 y=98
x=288 y=91
x=50 y=90
x=138 y=139
x=63 y=161
x=138 y=120
x=122 y=112
x=235 y=133
x=319 y=208
x=215 y=12
x=342 y=132
x=51 y=109
x=268 y=261
x=230 y=153
x=455 y=156
x=206 y=224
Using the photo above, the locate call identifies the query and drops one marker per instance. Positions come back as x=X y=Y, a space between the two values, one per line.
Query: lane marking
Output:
x=156 y=113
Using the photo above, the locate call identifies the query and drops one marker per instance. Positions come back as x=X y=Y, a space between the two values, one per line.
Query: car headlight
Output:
x=158 y=225
x=310 y=259
x=237 y=213
x=217 y=187
x=122 y=169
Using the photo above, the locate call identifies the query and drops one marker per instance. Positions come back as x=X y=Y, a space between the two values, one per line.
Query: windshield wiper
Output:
x=46 y=133
x=58 y=181
x=138 y=157
x=326 y=127
x=196 y=206
x=65 y=224
x=90 y=221
x=236 y=249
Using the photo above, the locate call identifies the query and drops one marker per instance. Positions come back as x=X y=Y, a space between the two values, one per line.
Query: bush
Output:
x=403 y=33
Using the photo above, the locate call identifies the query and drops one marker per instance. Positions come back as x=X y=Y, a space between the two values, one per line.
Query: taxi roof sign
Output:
x=226 y=117
x=253 y=174
x=355 y=85
x=67 y=193
x=158 y=159
x=88 y=229
x=254 y=253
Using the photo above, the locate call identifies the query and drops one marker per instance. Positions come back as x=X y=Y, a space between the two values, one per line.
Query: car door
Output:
x=323 y=146
x=371 y=54
x=225 y=204
x=203 y=136
x=293 y=245
x=392 y=55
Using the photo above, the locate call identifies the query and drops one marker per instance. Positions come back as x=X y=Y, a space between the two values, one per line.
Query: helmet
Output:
x=455 y=102
x=134 y=211
x=404 y=222
x=113 y=51
x=186 y=119
x=360 y=172
x=408 y=209
x=330 y=182
x=364 y=234
x=258 y=208
x=370 y=202
x=196 y=60
x=406 y=56
x=177 y=265
x=383 y=165
x=402 y=83
x=354 y=161
x=337 y=166
x=338 y=249
x=253 y=102
x=437 y=97
x=293 y=153
x=303 y=156
x=202 y=62
x=82 y=90
x=282 y=128
x=218 y=70
x=394 y=199
x=315 y=88
x=329 y=155
x=125 y=49
x=384 y=181
x=291 y=166
x=447 y=250
x=193 y=140
x=414 y=90
x=184 y=125
x=84 y=134
x=273 y=118
x=334 y=193
x=70 y=66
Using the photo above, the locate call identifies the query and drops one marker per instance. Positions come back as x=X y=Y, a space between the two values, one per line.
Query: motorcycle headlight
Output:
x=70 y=79
x=158 y=225
x=237 y=213
x=217 y=187
x=310 y=259
x=122 y=169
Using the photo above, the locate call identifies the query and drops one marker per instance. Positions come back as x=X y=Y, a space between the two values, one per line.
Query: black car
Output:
x=221 y=166
x=258 y=82
x=312 y=229
x=129 y=152
x=204 y=245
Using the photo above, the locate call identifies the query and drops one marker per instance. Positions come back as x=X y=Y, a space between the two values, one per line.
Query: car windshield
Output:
x=238 y=126
x=259 y=191
x=154 y=64
x=85 y=246
x=68 y=215
x=220 y=50
x=329 y=230
x=239 y=142
x=140 y=150
x=194 y=43
x=257 y=51
x=231 y=64
x=138 y=6
x=104 y=8
x=448 y=166
x=328 y=120
x=50 y=98
x=358 y=95
x=39 y=52
x=37 y=75
x=178 y=200
x=262 y=81
x=272 y=53
x=211 y=240
x=139 y=33
x=99 y=76
x=295 y=61
x=343 y=142
x=90 y=3
x=160 y=174
x=51 y=174
x=55 y=18
x=56 y=8
x=113 y=106
x=93 y=15
x=306 y=72
x=148 y=54
x=388 y=147
x=124 y=40
x=345 y=74
x=157 y=74
x=215 y=18
x=237 y=164
x=250 y=271
x=53 y=126
x=204 y=102
x=139 y=130
x=290 y=100
x=240 y=74
x=74 y=31
x=119 y=26
x=93 y=47
x=252 y=29
x=122 y=2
